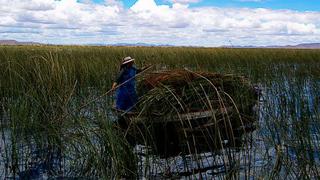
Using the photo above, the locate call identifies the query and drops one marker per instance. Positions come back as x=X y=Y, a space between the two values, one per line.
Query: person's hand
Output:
x=114 y=85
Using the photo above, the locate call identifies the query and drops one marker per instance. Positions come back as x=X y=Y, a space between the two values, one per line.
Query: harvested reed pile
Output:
x=194 y=91
x=190 y=112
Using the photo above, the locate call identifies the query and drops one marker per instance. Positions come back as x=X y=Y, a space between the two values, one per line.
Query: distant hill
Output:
x=298 y=46
x=14 y=42
x=306 y=46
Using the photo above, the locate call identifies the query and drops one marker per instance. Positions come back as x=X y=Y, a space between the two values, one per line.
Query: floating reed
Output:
x=181 y=111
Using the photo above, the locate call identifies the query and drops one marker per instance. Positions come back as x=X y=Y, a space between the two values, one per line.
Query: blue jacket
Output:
x=126 y=94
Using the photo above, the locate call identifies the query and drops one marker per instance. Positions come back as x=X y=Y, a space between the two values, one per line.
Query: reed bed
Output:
x=178 y=105
x=46 y=129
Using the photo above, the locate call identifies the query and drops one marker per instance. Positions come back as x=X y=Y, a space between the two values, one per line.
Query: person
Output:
x=126 y=96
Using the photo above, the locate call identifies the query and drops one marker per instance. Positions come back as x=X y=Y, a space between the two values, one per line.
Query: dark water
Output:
x=288 y=131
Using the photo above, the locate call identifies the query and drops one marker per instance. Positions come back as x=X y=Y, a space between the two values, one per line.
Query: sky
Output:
x=207 y=23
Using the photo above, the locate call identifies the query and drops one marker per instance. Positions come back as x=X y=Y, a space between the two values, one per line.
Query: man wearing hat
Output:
x=126 y=96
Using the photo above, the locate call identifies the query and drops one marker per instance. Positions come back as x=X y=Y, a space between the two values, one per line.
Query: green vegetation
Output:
x=45 y=90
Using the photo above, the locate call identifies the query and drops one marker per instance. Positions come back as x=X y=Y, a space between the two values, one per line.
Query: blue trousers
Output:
x=126 y=98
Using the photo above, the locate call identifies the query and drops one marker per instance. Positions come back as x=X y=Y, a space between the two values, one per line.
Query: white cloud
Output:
x=113 y=2
x=70 y=21
x=184 y=1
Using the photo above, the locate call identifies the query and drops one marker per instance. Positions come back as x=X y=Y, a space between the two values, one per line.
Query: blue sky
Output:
x=207 y=23
x=299 y=5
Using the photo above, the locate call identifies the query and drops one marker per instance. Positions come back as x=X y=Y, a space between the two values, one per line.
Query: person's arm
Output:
x=142 y=69
x=114 y=85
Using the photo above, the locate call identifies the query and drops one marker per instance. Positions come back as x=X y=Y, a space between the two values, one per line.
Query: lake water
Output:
x=287 y=139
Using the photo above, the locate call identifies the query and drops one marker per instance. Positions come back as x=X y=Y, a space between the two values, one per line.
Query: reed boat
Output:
x=180 y=112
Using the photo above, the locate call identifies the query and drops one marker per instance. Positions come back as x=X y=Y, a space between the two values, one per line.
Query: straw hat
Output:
x=127 y=60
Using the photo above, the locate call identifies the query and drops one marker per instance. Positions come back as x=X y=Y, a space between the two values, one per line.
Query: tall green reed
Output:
x=42 y=88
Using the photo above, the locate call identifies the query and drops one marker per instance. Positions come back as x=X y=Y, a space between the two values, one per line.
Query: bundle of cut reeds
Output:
x=185 y=111
x=183 y=91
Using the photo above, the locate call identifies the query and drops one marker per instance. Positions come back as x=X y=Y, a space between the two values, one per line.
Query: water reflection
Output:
x=287 y=136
